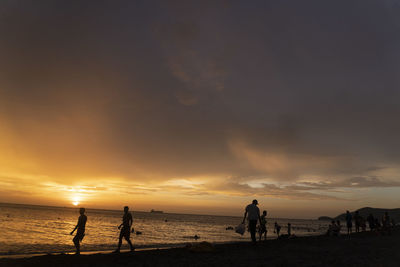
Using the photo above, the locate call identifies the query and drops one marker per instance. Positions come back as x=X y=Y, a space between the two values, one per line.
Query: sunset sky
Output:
x=201 y=106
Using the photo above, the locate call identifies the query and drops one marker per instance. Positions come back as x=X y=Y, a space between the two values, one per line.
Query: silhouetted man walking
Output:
x=125 y=230
x=253 y=213
x=81 y=230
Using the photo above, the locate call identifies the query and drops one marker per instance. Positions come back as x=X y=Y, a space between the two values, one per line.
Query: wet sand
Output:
x=363 y=249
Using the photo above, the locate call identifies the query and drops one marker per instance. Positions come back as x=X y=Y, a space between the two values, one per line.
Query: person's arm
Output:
x=74 y=230
x=75 y=227
x=130 y=221
x=245 y=214
x=259 y=217
x=119 y=227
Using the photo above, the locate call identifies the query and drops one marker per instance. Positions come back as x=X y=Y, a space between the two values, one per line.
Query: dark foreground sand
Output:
x=364 y=249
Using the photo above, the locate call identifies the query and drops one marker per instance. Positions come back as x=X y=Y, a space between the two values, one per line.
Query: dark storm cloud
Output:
x=271 y=89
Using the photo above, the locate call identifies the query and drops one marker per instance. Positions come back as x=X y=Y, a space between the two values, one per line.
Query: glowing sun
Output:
x=76 y=200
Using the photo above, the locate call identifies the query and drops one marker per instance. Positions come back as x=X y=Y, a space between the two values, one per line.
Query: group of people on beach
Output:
x=125 y=230
x=384 y=226
x=334 y=228
x=252 y=213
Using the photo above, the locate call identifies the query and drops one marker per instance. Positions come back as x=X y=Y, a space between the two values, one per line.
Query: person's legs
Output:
x=263 y=231
x=77 y=245
x=349 y=227
x=127 y=236
x=119 y=241
x=260 y=232
x=129 y=242
x=252 y=228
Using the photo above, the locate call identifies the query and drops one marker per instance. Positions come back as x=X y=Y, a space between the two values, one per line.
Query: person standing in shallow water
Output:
x=81 y=230
x=253 y=213
x=125 y=232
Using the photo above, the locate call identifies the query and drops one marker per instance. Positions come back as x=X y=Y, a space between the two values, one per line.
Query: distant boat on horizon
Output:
x=156 y=211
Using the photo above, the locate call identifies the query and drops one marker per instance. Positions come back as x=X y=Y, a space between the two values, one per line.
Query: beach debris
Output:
x=229 y=228
x=240 y=229
x=138 y=233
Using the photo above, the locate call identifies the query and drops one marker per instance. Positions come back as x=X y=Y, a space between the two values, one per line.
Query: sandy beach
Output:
x=363 y=249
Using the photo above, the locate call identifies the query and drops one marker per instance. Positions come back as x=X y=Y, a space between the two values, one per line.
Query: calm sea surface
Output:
x=26 y=229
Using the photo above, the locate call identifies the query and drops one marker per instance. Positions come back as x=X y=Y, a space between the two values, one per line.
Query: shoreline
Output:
x=360 y=249
x=137 y=249
x=92 y=252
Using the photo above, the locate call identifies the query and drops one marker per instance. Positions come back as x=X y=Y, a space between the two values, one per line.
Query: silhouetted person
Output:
x=331 y=228
x=263 y=225
x=289 y=229
x=371 y=222
x=338 y=227
x=81 y=230
x=277 y=228
x=357 y=221
x=386 y=220
x=377 y=224
x=363 y=224
x=349 y=223
x=253 y=213
x=386 y=223
x=125 y=230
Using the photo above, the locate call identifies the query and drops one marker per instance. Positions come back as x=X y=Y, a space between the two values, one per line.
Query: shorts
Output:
x=79 y=235
x=125 y=232
x=349 y=225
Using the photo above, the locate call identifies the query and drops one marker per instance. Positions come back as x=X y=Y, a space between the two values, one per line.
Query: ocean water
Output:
x=26 y=229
